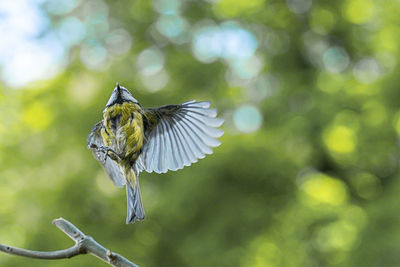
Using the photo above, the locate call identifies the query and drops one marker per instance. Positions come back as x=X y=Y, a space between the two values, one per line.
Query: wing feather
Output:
x=183 y=155
x=198 y=140
x=200 y=133
x=111 y=167
x=170 y=147
x=206 y=130
x=186 y=144
x=179 y=136
x=156 y=154
x=203 y=104
x=162 y=148
x=150 y=154
x=210 y=122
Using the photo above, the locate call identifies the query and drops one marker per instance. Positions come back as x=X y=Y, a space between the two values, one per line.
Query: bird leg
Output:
x=107 y=151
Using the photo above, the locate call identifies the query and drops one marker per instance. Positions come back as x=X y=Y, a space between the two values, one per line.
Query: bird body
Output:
x=123 y=132
x=123 y=129
x=131 y=139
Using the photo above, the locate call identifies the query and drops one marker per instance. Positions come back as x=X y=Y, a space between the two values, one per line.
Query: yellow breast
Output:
x=124 y=129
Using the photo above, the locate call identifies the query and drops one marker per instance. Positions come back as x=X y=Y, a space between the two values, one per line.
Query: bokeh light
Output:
x=167 y=7
x=323 y=189
x=340 y=139
x=359 y=11
x=71 y=31
x=233 y=8
x=228 y=41
x=94 y=55
x=60 y=7
x=150 y=61
x=338 y=235
x=335 y=59
x=171 y=25
x=367 y=70
x=247 y=119
x=37 y=116
x=247 y=69
x=118 y=42
x=20 y=57
x=155 y=82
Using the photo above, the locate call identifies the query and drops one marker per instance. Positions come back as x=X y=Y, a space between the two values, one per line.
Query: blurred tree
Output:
x=307 y=174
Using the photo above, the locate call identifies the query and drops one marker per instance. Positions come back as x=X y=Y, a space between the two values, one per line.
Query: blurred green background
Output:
x=307 y=173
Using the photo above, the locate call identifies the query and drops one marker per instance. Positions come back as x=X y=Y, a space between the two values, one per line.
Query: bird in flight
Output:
x=131 y=139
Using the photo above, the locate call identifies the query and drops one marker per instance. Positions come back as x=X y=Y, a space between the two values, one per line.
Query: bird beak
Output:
x=118 y=91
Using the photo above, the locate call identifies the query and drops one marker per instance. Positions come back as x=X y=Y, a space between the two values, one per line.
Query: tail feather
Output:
x=135 y=207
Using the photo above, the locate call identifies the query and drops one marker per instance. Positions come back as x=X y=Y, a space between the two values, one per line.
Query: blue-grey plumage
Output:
x=135 y=211
x=131 y=139
x=95 y=142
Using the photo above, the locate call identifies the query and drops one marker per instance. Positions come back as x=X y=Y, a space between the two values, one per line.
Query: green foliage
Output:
x=315 y=182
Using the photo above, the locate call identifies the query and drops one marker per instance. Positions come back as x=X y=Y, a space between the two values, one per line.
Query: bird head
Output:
x=120 y=95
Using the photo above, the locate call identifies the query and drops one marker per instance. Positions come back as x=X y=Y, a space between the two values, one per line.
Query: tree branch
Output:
x=83 y=244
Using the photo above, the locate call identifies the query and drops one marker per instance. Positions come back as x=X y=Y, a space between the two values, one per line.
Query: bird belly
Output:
x=124 y=130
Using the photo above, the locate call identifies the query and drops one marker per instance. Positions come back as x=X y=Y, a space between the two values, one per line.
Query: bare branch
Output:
x=49 y=255
x=83 y=244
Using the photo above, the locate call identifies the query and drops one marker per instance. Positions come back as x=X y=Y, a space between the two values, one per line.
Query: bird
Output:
x=131 y=139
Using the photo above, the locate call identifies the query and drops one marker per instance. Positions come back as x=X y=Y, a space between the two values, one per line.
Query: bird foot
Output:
x=108 y=152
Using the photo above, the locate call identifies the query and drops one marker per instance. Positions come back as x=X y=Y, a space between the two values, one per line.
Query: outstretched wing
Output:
x=110 y=166
x=179 y=135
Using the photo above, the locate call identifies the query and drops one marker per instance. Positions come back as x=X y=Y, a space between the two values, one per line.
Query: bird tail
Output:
x=134 y=201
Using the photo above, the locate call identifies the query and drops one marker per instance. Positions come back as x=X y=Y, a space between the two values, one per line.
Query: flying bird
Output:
x=131 y=139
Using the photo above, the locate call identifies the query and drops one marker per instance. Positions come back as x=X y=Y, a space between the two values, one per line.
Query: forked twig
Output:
x=83 y=244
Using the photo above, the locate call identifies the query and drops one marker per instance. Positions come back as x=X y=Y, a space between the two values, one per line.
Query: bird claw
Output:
x=108 y=152
x=103 y=150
